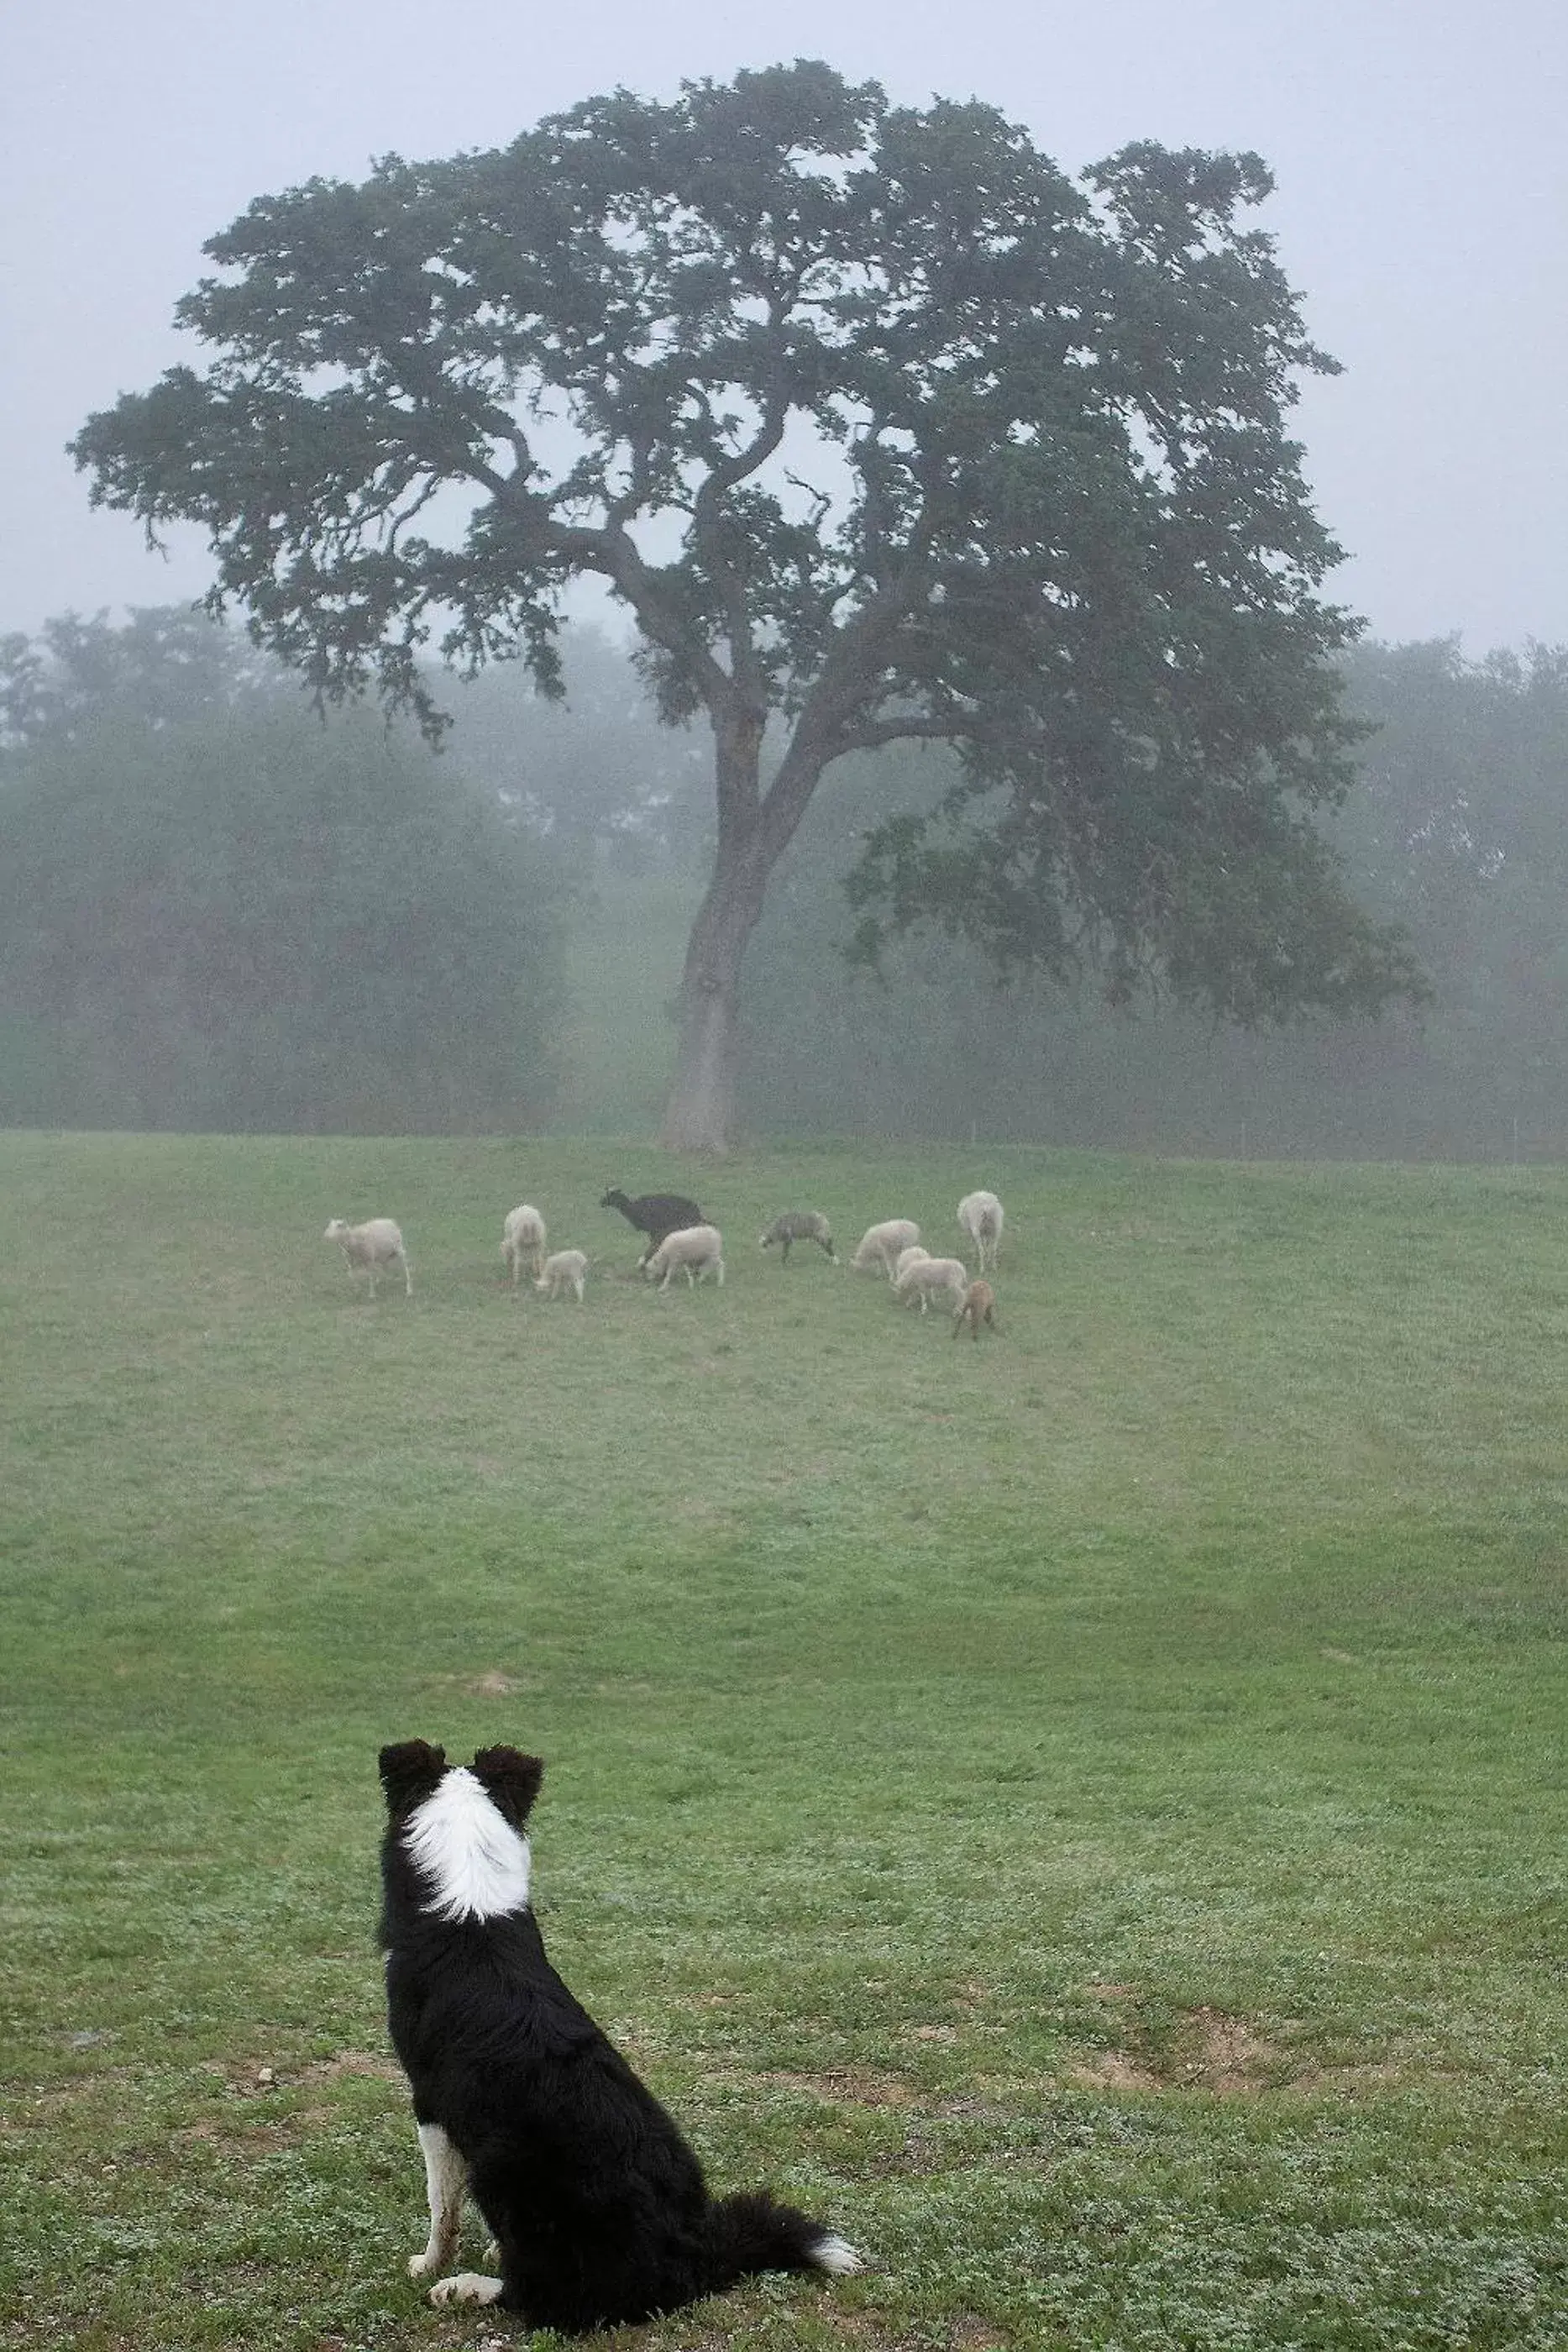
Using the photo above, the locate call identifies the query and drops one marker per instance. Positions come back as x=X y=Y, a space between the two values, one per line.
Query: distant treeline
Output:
x=1458 y=829
x=219 y=910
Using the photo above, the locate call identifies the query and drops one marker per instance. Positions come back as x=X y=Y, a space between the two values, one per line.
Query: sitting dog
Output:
x=597 y=2205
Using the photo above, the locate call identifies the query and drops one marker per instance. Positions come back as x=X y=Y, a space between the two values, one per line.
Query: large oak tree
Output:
x=879 y=426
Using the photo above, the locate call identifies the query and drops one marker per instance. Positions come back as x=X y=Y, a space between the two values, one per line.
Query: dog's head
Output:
x=461 y=1828
x=412 y=1770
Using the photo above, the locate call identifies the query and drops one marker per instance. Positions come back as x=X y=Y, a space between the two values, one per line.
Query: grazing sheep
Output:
x=979 y=1307
x=696 y=1250
x=980 y=1214
x=910 y=1256
x=563 y=1270
x=655 y=1214
x=523 y=1240
x=926 y=1275
x=880 y=1244
x=376 y=1243
x=798 y=1225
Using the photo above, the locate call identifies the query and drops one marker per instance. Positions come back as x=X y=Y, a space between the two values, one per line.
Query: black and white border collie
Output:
x=597 y=2205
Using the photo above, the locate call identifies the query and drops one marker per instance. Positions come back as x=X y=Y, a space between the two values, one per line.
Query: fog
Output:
x=1416 y=144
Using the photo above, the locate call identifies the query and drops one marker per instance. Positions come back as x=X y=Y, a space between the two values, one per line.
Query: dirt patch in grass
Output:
x=1213 y=2052
x=849 y=2086
x=259 y=2078
x=1112 y=2070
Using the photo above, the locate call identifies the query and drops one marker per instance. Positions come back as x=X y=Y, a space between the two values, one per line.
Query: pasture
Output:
x=1083 y=1813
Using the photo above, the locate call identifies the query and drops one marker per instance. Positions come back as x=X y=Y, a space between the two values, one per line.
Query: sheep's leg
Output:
x=784 y=1251
x=407 y=1278
x=719 y=1267
x=446 y=2180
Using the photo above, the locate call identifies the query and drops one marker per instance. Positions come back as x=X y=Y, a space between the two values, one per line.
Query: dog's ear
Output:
x=512 y=1779
x=410 y=1772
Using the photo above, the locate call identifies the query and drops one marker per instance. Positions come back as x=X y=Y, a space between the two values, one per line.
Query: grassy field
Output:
x=1084 y=1813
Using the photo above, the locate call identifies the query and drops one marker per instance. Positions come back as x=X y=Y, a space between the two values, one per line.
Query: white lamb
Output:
x=980 y=1214
x=563 y=1270
x=927 y=1275
x=693 y=1250
x=880 y=1245
x=373 y=1245
x=523 y=1242
x=911 y=1256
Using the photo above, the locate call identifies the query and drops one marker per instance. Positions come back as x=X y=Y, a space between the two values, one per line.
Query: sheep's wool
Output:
x=474 y=1862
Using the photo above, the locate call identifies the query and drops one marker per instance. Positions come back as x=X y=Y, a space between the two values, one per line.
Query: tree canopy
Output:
x=881 y=427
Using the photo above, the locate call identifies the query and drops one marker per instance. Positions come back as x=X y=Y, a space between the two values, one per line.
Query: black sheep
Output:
x=657 y=1214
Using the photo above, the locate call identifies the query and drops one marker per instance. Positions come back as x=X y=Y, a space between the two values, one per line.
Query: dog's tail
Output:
x=751 y=2233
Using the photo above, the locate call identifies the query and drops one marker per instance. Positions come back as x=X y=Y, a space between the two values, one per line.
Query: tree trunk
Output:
x=700 y=1113
x=754 y=831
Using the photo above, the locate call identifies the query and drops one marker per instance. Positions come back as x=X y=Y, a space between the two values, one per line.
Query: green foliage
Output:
x=955 y=448
x=215 y=911
x=1083 y=1810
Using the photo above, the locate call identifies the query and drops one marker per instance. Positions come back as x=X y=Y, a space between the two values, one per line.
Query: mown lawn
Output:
x=1085 y=1812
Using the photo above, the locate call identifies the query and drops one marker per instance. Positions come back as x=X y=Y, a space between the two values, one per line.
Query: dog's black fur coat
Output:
x=597 y=2203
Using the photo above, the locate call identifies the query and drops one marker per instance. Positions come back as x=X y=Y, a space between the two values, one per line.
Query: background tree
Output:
x=875 y=423
x=216 y=913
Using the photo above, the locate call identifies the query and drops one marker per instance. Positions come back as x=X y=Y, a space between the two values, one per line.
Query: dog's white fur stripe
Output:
x=474 y=1862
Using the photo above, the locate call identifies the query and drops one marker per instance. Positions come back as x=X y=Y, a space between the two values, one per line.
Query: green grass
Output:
x=1085 y=1812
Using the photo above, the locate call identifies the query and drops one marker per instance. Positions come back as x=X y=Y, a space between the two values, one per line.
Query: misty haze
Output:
x=782 y=1102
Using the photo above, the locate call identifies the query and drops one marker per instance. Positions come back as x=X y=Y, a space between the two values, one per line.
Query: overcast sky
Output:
x=1422 y=210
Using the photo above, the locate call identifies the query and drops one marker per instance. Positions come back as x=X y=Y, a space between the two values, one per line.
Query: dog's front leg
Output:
x=445 y=2179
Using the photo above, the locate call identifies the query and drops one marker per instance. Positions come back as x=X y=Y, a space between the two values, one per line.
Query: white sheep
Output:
x=562 y=1271
x=695 y=1250
x=980 y=1214
x=911 y=1256
x=375 y=1244
x=880 y=1244
x=523 y=1240
x=927 y=1275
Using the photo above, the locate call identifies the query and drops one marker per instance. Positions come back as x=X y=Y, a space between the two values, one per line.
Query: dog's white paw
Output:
x=420 y=2265
x=466 y=2287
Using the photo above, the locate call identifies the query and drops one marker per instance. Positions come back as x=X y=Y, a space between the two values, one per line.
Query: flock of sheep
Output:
x=679 y=1240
